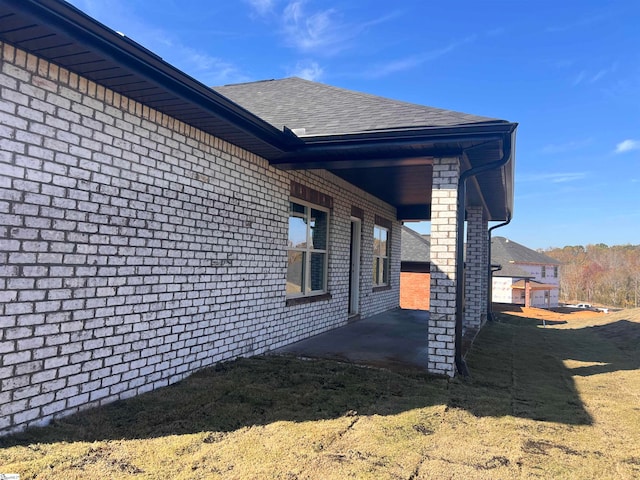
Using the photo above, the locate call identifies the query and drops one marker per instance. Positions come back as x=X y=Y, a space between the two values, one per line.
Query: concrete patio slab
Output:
x=397 y=338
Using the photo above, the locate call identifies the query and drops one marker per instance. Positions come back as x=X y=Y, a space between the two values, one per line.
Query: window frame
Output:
x=307 y=250
x=543 y=271
x=386 y=258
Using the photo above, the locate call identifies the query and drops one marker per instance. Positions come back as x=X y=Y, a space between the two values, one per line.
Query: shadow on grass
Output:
x=518 y=366
x=248 y=392
x=517 y=370
x=617 y=350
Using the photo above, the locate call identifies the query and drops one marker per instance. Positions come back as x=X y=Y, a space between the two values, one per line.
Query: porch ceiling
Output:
x=400 y=170
x=384 y=146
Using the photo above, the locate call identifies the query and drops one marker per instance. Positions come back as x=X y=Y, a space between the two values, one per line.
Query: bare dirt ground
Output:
x=560 y=313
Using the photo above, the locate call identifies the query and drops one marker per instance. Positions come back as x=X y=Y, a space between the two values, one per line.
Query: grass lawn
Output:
x=561 y=401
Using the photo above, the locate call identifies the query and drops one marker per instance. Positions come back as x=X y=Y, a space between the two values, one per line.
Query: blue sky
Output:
x=567 y=71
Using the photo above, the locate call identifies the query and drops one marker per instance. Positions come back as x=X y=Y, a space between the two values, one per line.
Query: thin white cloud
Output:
x=310 y=31
x=579 y=78
x=579 y=23
x=598 y=76
x=564 y=63
x=624 y=89
x=322 y=31
x=262 y=7
x=208 y=69
x=495 y=32
x=394 y=66
x=309 y=70
x=627 y=146
x=589 y=77
x=556 y=148
x=413 y=61
x=557 y=177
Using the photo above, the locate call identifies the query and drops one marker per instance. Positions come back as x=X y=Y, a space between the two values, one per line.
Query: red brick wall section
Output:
x=414 y=290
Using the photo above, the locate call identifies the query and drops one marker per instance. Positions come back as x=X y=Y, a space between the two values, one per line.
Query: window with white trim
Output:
x=544 y=271
x=307 y=249
x=380 y=256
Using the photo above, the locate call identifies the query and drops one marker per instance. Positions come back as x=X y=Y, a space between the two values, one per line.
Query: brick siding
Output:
x=442 y=318
x=136 y=249
x=476 y=271
x=414 y=290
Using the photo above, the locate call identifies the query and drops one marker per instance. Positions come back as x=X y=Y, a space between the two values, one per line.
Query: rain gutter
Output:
x=490 y=270
x=461 y=366
x=389 y=144
x=461 y=132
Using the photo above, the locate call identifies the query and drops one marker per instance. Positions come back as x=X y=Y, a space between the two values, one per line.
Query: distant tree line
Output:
x=599 y=274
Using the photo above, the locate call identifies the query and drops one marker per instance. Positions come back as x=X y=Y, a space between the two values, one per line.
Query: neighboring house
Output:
x=526 y=277
x=151 y=226
x=414 y=270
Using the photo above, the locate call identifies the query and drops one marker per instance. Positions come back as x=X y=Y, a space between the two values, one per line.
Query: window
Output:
x=544 y=271
x=555 y=271
x=380 y=256
x=307 y=249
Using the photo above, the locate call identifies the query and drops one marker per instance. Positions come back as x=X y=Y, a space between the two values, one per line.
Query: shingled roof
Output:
x=384 y=147
x=415 y=248
x=316 y=109
x=505 y=251
x=510 y=270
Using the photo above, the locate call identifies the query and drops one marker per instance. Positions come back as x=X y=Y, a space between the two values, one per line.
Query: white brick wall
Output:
x=475 y=269
x=442 y=302
x=135 y=249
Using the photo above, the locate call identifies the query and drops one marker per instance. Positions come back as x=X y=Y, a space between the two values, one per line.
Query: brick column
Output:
x=442 y=317
x=485 y=268
x=475 y=269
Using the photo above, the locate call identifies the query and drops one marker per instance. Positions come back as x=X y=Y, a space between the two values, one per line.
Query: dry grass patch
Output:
x=561 y=401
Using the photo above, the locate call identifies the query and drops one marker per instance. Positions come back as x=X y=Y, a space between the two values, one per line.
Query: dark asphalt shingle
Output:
x=415 y=248
x=505 y=251
x=322 y=109
x=510 y=270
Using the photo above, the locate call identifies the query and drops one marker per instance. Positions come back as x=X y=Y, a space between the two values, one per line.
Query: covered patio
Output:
x=393 y=339
x=450 y=168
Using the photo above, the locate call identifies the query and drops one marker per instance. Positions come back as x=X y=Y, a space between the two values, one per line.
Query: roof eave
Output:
x=397 y=146
x=67 y=19
x=434 y=134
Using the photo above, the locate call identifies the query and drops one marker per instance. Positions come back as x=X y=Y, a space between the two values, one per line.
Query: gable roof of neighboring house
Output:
x=505 y=251
x=415 y=248
x=314 y=109
x=510 y=270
